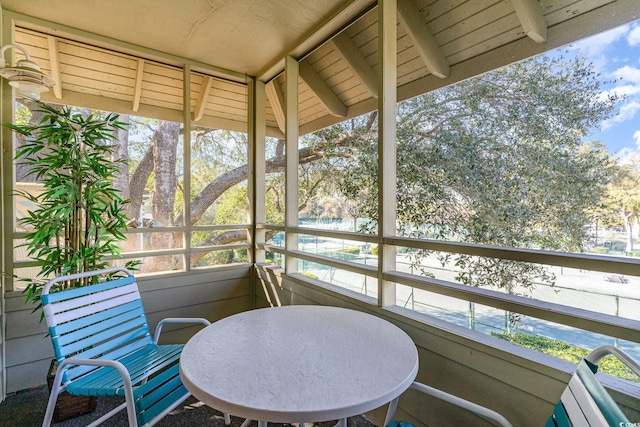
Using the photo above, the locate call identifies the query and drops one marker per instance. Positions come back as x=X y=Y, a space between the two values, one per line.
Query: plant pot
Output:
x=69 y=406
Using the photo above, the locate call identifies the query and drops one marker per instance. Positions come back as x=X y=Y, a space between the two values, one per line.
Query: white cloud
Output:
x=620 y=91
x=627 y=156
x=626 y=90
x=626 y=112
x=633 y=38
x=597 y=49
x=627 y=74
x=636 y=137
x=597 y=45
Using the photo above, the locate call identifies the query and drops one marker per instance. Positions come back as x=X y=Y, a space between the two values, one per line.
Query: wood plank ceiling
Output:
x=439 y=42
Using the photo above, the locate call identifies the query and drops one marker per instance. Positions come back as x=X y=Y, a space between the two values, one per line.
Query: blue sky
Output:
x=616 y=56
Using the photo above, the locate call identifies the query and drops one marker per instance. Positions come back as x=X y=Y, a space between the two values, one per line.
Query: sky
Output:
x=615 y=54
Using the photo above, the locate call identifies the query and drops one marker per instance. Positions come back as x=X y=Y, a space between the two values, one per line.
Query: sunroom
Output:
x=283 y=126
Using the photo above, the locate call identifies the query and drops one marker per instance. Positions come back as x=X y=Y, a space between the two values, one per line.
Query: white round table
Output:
x=299 y=364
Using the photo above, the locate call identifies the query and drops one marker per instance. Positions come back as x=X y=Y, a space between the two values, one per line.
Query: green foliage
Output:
x=623 y=198
x=354 y=250
x=497 y=160
x=565 y=351
x=78 y=216
x=240 y=255
x=217 y=258
x=232 y=206
x=222 y=257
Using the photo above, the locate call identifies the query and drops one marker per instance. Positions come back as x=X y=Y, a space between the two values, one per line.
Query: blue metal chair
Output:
x=104 y=347
x=585 y=402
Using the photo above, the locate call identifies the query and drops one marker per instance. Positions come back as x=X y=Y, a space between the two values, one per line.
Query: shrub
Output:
x=354 y=250
x=565 y=351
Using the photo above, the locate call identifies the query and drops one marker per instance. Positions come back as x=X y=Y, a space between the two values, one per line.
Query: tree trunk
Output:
x=138 y=183
x=628 y=226
x=120 y=157
x=165 y=141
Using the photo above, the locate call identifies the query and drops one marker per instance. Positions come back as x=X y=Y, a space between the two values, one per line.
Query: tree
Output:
x=78 y=217
x=497 y=159
x=623 y=195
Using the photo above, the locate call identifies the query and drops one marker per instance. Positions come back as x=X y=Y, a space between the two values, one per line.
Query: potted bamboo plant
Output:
x=78 y=217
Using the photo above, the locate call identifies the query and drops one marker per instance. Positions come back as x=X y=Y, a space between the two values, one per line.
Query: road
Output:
x=574 y=288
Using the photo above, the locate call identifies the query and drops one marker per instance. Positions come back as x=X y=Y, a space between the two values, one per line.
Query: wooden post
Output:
x=291 y=158
x=387 y=22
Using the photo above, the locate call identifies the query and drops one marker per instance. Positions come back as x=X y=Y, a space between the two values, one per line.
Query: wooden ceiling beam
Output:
x=420 y=34
x=276 y=100
x=531 y=18
x=54 y=59
x=138 y=85
x=201 y=102
x=358 y=63
x=322 y=90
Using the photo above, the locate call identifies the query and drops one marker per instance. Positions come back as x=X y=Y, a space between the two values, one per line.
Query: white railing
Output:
x=589 y=320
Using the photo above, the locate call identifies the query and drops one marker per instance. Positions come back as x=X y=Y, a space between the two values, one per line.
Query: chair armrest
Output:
x=126 y=378
x=98 y=362
x=183 y=320
x=458 y=401
x=605 y=350
x=118 y=366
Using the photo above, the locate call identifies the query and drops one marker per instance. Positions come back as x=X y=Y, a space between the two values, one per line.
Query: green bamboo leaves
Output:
x=79 y=216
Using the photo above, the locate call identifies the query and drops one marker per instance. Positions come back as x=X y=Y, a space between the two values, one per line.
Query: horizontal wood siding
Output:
x=465 y=31
x=99 y=78
x=212 y=294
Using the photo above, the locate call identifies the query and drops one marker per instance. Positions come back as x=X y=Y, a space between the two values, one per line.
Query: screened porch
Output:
x=249 y=94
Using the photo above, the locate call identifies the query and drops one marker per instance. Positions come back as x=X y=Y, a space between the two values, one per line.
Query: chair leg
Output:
x=56 y=389
x=391 y=411
x=227 y=419
x=108 y=415
x=51 y=405
x=130 y=403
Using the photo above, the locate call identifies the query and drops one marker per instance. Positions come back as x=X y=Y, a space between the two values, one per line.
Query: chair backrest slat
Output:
x=580 y=406
x=132 y=308
x=85 y=290
x=131 y=346
x=100 y=321
x=104 y=327
x=585 y=402
x=76 y=308
x=104 y=335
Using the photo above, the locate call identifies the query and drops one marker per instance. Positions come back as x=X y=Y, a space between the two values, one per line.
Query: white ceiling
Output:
x=239 y=35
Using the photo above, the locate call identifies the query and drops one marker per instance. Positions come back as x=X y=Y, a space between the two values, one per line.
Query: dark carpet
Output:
x=26 y=409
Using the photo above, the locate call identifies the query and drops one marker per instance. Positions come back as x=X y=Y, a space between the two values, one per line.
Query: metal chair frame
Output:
x=104 y=347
